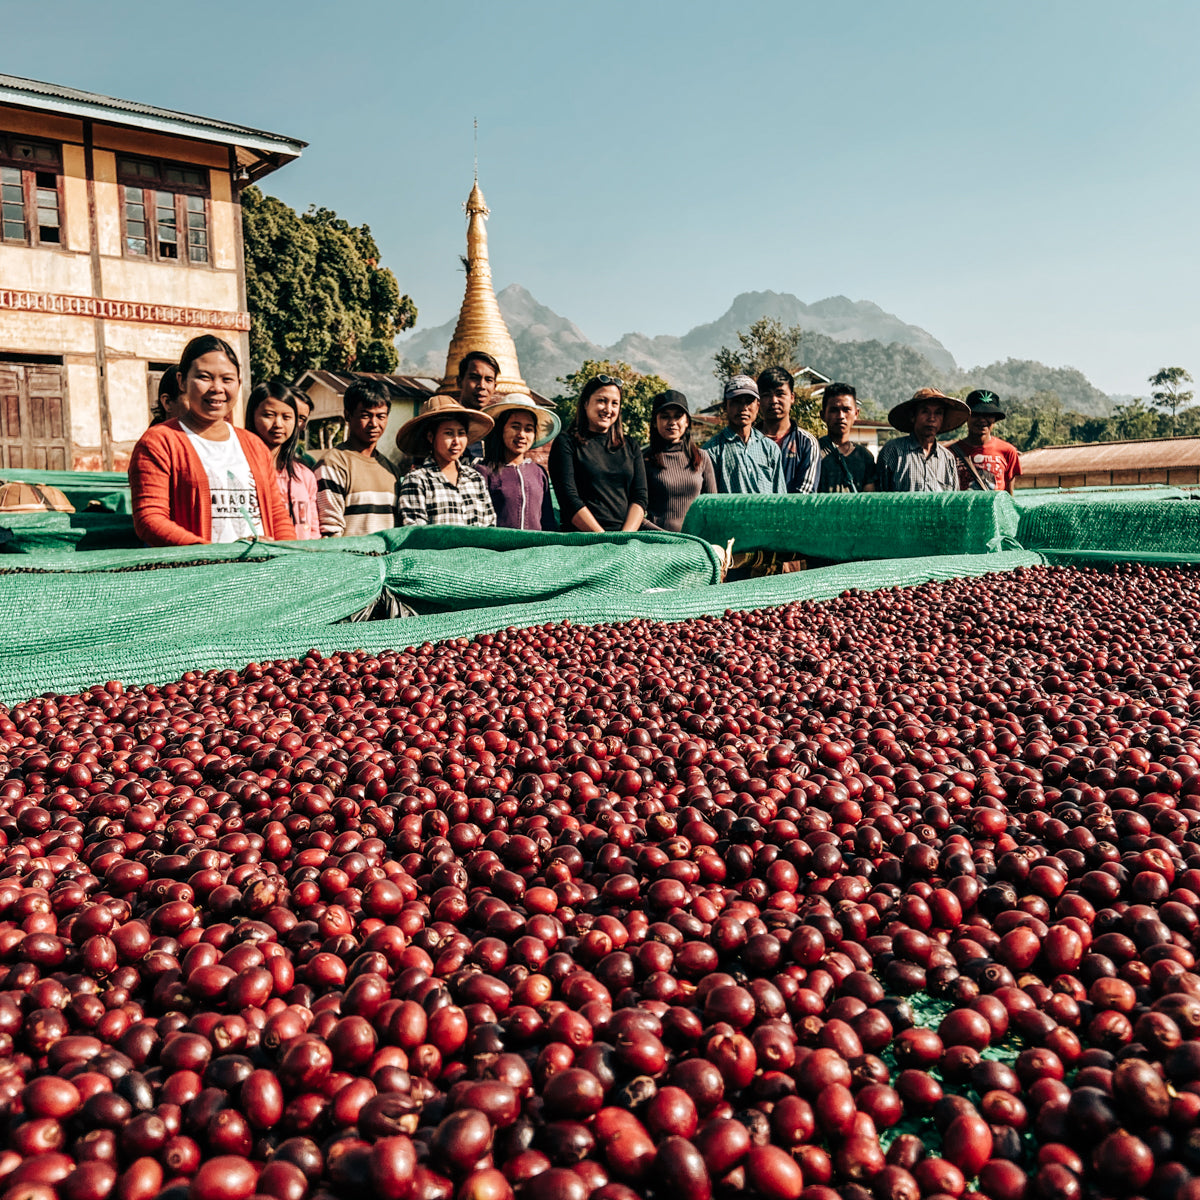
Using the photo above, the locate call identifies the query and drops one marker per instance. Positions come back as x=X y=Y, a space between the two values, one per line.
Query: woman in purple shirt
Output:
x=519 y=487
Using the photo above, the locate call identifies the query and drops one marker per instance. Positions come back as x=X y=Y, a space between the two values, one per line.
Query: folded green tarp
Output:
x=80 y=487
x=38 y=533
x=1149 y=530
x=850 y=528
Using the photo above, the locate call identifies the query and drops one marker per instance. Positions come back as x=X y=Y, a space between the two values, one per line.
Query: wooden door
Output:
x=34 y=428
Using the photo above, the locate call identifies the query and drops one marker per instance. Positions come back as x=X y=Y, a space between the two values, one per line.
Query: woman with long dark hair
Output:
x=677 y=470
x=519 y=487
x=196 y=479
x=273 y=413
x=598 y=473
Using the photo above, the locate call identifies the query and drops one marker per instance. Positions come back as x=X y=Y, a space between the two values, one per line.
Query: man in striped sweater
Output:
x=357 y=488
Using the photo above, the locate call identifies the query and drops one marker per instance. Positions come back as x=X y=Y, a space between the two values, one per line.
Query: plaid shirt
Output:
x=427 y=497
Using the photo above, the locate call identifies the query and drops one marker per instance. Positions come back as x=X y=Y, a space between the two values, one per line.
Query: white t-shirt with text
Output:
x=230 y=485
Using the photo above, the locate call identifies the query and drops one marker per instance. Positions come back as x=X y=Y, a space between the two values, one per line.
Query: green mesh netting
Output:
x=1028 y=498
x=160 y=645
x=848 y=528
x=107 y=607
x=145 y=615
x=34 y=533
x=80 y=487
x=1151 y=530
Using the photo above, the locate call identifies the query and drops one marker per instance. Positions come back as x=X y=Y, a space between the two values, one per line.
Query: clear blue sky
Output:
x=1019 y=178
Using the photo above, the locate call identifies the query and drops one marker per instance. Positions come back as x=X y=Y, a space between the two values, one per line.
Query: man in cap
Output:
x=985 y=463
x=801 y=455
x=917 y=462
x=744 y=460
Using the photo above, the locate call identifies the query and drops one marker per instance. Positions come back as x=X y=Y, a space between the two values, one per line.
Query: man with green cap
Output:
x=985 y=463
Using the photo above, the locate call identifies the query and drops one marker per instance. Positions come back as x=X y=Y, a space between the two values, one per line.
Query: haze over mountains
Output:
x=854 y=340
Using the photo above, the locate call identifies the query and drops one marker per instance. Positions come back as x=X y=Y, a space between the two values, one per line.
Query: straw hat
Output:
x=411 y=438
x=19 y=497
x=901 y=417
x=548 y=424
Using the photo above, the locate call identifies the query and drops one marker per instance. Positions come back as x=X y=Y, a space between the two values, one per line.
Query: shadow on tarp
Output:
x=141 y=655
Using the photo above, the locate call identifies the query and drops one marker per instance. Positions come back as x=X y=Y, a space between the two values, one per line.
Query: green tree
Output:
x=636 y=395
x=1038 y=421
x=1169 y=393
x=770 y=343
x=318 y=297
x=767 y=343
x=1136 y=420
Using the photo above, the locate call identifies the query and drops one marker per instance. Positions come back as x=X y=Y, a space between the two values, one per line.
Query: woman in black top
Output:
x=677 y=470
x=597 y=472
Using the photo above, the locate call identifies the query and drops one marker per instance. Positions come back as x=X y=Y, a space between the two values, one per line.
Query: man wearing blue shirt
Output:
x=744 y=460
x=801 y=454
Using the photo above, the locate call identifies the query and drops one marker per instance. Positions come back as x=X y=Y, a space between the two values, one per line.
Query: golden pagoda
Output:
x=480 y=323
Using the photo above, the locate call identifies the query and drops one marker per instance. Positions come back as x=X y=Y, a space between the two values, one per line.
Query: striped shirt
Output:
x=356 y=495
x=801 y=459
x=904 y=466
x=427 y=497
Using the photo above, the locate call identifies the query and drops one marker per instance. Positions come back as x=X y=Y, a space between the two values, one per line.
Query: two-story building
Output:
x=120 y=240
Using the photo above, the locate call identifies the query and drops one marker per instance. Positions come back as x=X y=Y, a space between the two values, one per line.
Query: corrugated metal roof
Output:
x=401 y=386
x=55 y=97
x=1148 y=454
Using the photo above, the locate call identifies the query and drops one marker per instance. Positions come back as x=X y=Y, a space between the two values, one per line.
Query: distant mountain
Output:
x=855 y=340
x=1020 y=378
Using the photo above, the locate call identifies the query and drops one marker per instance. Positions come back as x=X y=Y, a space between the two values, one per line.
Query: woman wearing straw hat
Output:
x=441 y=489
x=518 y=486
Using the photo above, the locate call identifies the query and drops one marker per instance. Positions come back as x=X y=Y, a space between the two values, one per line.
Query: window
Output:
x=165 y=209
x=30 y=200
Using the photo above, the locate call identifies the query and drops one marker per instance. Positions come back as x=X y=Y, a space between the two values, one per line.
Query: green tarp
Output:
x=849 y=528
x=80 y=487
x=1147 y=530
x=37 y=533
x=139 y=652
x=74 y=616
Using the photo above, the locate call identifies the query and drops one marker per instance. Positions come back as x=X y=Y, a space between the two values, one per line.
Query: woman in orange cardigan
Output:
x=197 y=479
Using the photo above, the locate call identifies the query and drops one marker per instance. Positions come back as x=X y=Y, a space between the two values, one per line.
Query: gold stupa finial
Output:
x=480 y=323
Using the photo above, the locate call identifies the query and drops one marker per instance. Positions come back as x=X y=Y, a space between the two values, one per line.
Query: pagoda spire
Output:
x=480 y=323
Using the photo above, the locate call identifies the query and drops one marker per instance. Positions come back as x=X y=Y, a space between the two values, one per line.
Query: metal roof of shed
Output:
x=1146 y=454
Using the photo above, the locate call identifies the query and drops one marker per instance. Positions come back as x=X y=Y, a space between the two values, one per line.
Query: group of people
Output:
x=465 y=459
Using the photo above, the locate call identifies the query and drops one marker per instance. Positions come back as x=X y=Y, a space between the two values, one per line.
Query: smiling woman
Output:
x=196 y=479
x=599 y=477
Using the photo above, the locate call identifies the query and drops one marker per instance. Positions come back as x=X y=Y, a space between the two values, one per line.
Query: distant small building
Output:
x=866 y=433
x=1113 y=464
x=326 y=388
x=120 y=240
